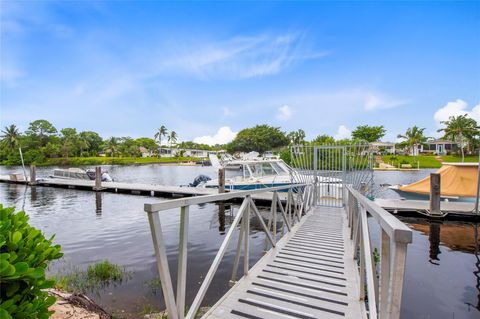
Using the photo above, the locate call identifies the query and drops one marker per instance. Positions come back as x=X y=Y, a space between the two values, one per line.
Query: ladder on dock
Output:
x=323 y=267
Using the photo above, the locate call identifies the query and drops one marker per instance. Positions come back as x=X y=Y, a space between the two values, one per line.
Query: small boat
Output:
x=458 y=182
x=78 y=173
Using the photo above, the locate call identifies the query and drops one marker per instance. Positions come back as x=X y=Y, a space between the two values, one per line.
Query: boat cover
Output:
x=456 y=179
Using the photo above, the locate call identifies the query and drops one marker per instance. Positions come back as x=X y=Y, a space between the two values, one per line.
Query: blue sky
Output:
x=209 y=69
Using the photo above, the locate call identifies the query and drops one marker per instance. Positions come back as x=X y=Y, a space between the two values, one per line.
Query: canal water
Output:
x=443 y=263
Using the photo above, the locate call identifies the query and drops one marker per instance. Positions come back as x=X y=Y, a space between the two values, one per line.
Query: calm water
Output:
x=443 y=266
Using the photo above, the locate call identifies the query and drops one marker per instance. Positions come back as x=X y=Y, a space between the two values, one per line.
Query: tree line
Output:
x=42 y=140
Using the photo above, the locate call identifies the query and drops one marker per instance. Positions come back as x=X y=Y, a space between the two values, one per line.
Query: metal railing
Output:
x=299 y=200
x=384 y=289
x=333 y=165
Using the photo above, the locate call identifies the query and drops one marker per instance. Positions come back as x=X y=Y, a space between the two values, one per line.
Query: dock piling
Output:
x=33 y=175
x=98 y=178
x=221 y=180
x=435 y=182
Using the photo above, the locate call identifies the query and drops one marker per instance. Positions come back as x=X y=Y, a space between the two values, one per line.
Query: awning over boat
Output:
x=456 y=179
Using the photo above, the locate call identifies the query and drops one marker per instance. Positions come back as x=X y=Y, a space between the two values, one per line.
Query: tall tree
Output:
x=369 y=133
x=460 y=129
x=260 y=138
x=11 y=137
x=172 y=138
x=296 y=137
x=41 y=130
x=323 y=139
x=70 y=141
x=112 y=146
x=92 y=140
x=413 y=137
x=162 y=132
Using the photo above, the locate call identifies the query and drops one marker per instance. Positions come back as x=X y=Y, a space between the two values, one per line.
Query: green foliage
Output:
x=296 y=137
x=323 y=139
x=24 y=256
x=461 y=129
x=413 y=137
x=260 y=138
x=369 y=133
x=286 y=156
x=96 y=276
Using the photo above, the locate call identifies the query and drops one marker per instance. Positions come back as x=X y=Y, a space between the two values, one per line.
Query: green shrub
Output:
x=24 y=255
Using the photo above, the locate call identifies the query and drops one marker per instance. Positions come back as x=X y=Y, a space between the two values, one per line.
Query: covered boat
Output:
x=457 y=181
x=78 y=173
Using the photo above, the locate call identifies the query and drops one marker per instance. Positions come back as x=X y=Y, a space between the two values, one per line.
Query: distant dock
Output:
x=459 y=210
x=129 y=188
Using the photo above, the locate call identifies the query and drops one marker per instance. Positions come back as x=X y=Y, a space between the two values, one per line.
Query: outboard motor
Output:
x=200 y=179
x=106 y=177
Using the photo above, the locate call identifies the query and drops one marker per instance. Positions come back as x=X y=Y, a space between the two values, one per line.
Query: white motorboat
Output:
x=78 y=173
x=261 y=173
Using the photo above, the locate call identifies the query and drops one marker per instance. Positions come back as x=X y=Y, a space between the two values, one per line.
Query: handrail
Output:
x=176 y=203
x=394 y=227
x=384 y=289
x=296 y=205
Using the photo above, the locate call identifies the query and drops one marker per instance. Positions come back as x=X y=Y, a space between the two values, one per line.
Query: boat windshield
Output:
x=263 y=169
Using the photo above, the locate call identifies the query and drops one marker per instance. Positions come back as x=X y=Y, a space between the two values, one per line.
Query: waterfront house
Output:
x=383 y=147
x=439 y=147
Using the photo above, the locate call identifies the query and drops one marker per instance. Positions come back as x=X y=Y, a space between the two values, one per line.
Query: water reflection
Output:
x=434 y=239
x=221 y=218
x=98 y=204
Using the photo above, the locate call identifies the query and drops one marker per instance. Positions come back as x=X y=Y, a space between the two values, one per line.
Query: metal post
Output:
x=33 y=175
x=98 y=178
x=182 y=261
x=162 y=264
x=478 y=184
x=23 y=164
x=435 y=182
x=221 y=180
x=246 y=255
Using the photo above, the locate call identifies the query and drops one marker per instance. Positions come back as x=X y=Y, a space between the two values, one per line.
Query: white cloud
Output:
x=284 y=113
x=224 y=135
x=455 y=108
x=375 y=101
x=240 y=57
x=342 y=133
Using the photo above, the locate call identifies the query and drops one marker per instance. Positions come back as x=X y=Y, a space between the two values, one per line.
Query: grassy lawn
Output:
x=425 y=161
x=74 y=161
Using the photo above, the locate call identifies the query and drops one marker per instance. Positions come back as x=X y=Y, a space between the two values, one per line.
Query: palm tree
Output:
x=162 y=131
x=460 y=129
x=172 y=138
x=10 y=137
x=11 y=140
x=413 y=136
x=112 y=145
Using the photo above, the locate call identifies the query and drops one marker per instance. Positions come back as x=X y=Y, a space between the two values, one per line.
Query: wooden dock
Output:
x=452 y=209
x=167 y=191
x=309 y=274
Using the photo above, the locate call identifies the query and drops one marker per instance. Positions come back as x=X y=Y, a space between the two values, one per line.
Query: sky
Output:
x=209 y=69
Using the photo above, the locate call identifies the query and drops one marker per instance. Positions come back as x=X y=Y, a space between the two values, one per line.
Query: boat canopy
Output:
x=456 y=179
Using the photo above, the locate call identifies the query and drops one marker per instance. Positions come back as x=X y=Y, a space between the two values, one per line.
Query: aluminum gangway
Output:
x=323 y=267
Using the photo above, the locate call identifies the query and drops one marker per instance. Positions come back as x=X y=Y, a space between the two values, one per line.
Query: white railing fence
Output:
x=383 y=290
x=300 y=198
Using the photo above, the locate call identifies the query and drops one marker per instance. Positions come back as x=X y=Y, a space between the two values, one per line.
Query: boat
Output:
x=458 y=182
x=78 y=173
x=260 y=172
